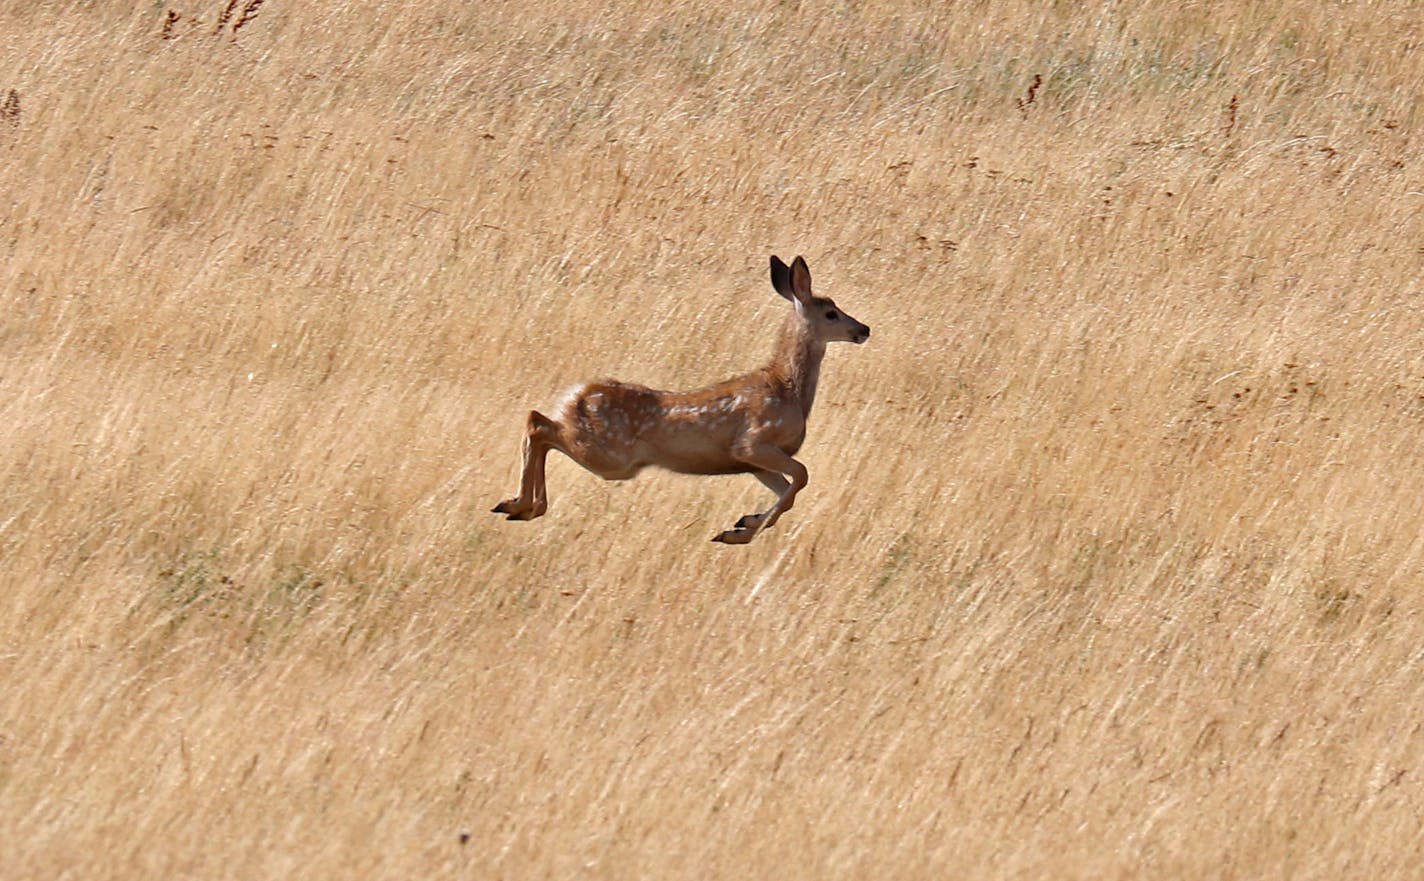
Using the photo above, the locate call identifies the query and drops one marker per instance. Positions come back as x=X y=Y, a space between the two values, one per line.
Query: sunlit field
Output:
x=1111 y=564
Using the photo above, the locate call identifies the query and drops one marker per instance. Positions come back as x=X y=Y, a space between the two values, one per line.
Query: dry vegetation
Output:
x=1112 y=557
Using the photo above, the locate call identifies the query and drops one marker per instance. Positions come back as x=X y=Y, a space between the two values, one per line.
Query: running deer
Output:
x=751 y=424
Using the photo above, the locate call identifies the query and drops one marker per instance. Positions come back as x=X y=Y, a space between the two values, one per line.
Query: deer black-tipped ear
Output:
x=800 y=280
x=780 y=277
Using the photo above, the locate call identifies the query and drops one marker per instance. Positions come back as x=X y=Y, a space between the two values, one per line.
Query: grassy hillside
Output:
x=1112 y=560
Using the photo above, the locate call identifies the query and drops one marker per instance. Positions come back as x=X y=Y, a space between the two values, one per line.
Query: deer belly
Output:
x=691 y=454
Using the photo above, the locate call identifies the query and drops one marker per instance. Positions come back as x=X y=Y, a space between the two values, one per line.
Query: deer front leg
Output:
x=772 y=481
x=541 y=435
x=774 y=463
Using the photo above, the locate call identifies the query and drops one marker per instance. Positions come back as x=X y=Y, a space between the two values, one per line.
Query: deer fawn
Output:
x=752 y=424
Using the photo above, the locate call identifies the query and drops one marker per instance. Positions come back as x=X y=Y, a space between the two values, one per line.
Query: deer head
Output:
x=822 y=319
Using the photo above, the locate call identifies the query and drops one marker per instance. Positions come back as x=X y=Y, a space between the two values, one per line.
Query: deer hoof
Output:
x=514 y=511
x=735 y=536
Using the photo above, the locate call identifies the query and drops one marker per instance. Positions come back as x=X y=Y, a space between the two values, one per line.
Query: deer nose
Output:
x=862 y=333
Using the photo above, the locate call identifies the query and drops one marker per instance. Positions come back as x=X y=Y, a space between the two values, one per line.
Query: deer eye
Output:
x=831 y=315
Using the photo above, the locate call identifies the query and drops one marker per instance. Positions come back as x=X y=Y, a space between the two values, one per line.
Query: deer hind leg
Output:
x=541 y=435
x=774 y=463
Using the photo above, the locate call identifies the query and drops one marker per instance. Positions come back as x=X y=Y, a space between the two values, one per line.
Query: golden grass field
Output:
x=1112 y=560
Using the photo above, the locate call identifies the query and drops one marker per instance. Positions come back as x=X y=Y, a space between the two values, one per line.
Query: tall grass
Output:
x=1111 y=558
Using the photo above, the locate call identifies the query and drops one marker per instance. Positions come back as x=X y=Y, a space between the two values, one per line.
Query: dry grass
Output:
x=1111 y=562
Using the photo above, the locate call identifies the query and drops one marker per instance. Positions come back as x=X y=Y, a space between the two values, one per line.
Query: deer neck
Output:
x=797 y=362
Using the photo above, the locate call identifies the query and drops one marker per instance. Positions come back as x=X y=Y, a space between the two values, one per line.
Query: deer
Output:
x=753 y=424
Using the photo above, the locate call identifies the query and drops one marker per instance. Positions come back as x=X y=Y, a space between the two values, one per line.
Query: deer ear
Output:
x=800 y=280
x=780 y=277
